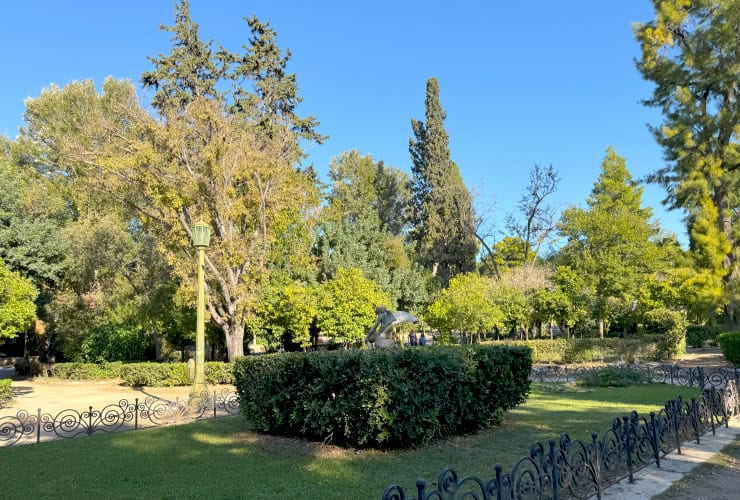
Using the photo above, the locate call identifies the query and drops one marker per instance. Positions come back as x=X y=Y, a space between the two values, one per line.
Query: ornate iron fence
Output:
x=567 y=468
x=660 y=373
x=26 y=427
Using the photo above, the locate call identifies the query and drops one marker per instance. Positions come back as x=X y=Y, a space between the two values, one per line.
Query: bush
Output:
x=730 y=344
x=6 y=392
x=28 y=368
x=382 y=397
x=172 y=374
x=668 y=330
x=613 y=376
x=115 y=343
x=86 y=371
x=699 y=335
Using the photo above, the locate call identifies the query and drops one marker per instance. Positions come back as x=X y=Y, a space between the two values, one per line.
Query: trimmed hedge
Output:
x=613 y=376
x=668 y=330
x=588 y=350
x=730 y=344
x=698 y=335
x=384 y=398
x=86 y=371
x=6 y=392
x=172 y=374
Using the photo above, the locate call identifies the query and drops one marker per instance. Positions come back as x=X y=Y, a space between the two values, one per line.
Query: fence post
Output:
x=136 y=414
x=695 y=423
x=676 y=405
x=554 y=472
x=420 y=485
x=38 y=426
x=597 y=463
x=628 y=447
x=654 y=440
x=702 y=378
x=498 y=469
x=214 y=404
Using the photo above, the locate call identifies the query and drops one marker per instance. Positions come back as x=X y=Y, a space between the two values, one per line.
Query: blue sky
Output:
x=522 y=82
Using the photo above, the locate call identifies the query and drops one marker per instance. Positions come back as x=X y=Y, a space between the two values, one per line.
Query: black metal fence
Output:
x=33 y=427
x=567 y=468
x=659 y=373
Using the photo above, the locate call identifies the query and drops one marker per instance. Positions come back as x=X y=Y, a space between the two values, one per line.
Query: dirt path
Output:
x=52 y=395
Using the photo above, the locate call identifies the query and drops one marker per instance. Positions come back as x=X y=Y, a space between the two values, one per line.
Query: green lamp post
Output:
x=201 y=239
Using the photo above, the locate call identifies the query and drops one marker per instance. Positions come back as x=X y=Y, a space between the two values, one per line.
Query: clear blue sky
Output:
x=522 y=82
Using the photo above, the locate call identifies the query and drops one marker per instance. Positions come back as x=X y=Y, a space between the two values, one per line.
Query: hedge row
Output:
x=591 y=350
x=730 y=344
x=141 y=374
x=385 y=398
x=6 y=392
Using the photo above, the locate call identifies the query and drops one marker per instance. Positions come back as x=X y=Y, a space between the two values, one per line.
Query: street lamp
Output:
x=201 y=239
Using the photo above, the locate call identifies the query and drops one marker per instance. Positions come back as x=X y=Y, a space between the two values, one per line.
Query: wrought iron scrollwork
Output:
x=26 y=427
x=571 y=468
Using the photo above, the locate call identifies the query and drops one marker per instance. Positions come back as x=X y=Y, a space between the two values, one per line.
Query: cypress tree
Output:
x=442 y=209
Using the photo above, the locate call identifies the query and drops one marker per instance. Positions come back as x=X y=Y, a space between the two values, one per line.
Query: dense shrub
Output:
x=6 y=392
x=730 y=344
x=28 y=368
x=699 y=335
x=668 y=330
x=613 y=376
x=172 y=374
x=86 y=371
x=382 y=397
x=115 y=343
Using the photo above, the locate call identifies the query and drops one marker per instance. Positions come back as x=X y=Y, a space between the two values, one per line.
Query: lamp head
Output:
x=201 y=235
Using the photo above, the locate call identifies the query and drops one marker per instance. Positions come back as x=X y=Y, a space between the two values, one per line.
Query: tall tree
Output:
x=227 y=158
x=17 y=308
x=610 y=244
x=442 y=210
x=691 y=51
x=536 y=222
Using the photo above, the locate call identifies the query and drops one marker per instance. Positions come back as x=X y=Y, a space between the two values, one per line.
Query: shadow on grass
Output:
x=223 y=458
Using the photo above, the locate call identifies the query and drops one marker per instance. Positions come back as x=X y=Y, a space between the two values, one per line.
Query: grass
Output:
x=223 y=459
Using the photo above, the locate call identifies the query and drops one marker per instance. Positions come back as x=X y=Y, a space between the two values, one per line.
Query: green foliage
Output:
x=28 y=368
x=609 y=246
x=172 y=374
x=590 y=350
x=383 y=397
x=6 y=392
x=699 y=335
x=730 y=344
x=668 y=329
x=691 y=52
x=346 y=306
x=115 y=342
x=17 y=307
x=465 y=306
x=86 y=371
x=613 y=376
x=442 y=210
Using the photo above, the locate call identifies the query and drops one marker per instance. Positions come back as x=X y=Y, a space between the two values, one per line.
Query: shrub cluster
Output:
x=613 y=376
x=6 y=393
x=384 y=397
x=172 y=374
x=86 y=371
x=730 y=344
x=699 y=335
x=668 y=330
x=28 y=368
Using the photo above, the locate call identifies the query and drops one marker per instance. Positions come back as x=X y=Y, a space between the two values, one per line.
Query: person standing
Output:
x=423 y=339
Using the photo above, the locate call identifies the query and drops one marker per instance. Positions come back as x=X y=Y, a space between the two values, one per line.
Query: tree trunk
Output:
x=157 y=346
x=601 y=328
x=234 y=335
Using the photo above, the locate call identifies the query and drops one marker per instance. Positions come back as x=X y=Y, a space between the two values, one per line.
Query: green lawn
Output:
x=223 y=459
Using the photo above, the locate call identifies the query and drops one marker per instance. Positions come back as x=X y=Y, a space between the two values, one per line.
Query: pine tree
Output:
x=691 y=51
x=442 y=210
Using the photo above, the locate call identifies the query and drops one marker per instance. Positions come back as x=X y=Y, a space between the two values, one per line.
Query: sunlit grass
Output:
x=223 y=459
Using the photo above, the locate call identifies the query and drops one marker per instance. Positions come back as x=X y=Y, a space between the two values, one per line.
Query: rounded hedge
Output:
x=384 y=398
x=730 y=344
